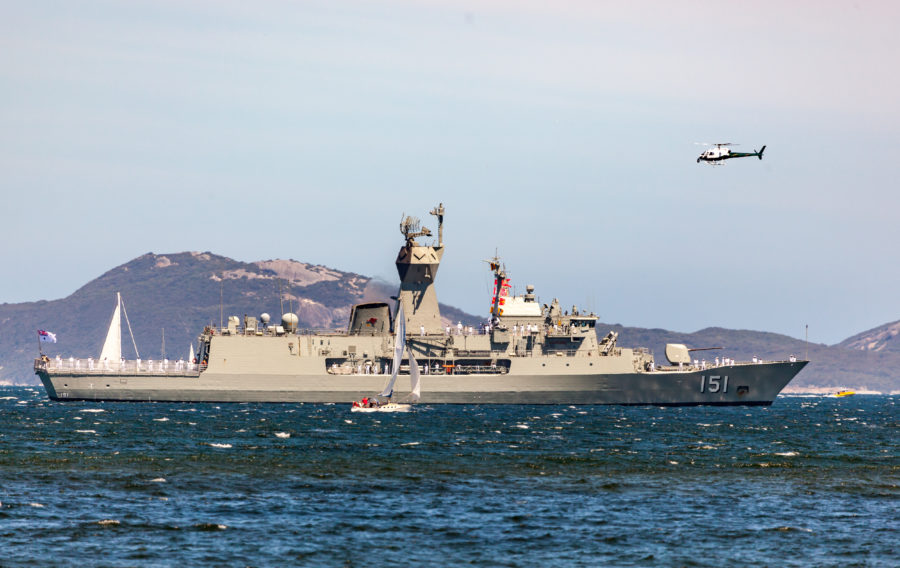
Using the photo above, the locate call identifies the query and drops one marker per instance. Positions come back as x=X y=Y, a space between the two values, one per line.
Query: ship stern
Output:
x=40 y=369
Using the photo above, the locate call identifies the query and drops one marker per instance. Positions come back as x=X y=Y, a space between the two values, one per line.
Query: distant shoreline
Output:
x=812 y=389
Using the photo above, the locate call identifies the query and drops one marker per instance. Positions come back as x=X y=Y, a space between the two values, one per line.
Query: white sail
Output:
x=399 y=342
x=415 y=385
x=112 y=347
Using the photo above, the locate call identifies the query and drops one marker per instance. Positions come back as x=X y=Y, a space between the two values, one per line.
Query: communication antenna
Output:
x=500 y=275
x=439 y=213
x=221 y=293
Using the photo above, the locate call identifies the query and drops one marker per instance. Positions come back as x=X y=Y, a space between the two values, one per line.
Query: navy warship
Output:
x=525 y=353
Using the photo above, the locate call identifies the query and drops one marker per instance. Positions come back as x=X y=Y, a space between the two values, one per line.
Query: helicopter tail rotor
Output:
x=761 y=150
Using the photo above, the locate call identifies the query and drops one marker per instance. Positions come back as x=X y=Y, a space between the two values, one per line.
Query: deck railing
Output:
x=137 y=367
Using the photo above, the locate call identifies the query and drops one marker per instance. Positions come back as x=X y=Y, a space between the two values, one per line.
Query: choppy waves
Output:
x=806 y=481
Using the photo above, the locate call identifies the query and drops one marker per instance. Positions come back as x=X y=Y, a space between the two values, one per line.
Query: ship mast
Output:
x=439 y=213
x=499 y=278
x=417 y=266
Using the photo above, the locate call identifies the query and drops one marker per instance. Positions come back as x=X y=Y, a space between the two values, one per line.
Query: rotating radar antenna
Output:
x=411 y=228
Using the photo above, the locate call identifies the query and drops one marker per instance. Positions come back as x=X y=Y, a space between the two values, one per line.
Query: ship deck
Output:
x=133 y=368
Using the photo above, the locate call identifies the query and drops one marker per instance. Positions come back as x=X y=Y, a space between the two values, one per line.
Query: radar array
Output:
x=410 y=227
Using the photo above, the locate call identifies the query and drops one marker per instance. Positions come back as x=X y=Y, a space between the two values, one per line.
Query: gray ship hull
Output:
x=741 y=384
x=527 y=353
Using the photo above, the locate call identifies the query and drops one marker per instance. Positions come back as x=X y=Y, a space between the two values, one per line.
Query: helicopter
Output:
x=723 y=152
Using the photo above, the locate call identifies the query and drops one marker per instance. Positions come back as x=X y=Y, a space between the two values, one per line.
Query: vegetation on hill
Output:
x=883 y=338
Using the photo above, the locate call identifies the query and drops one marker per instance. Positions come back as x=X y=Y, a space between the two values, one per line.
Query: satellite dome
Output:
x=289 y=321
x=264 y=317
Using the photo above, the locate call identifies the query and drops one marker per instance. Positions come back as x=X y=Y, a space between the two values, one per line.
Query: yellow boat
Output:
x=844 y=393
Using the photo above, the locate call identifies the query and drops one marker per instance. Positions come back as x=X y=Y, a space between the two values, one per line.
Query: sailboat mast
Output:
x=399 y=344
x=137 y=354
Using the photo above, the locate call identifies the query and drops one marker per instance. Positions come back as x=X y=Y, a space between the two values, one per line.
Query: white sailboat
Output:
x=112 y=347
x=111 y=352
x=414 y=380
x=415 y=384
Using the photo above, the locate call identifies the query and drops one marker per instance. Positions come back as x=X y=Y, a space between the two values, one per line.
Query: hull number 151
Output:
x=713 y=383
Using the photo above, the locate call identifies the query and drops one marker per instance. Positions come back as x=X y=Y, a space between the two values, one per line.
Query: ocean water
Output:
x=809 y=481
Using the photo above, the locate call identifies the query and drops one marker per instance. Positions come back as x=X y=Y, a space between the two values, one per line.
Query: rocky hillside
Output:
x=176 y=295
x=880 y=339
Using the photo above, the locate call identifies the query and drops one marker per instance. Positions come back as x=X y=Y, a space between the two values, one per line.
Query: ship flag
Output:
x=46 y=336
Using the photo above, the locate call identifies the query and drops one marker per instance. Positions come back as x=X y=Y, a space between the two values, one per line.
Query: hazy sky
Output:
x=561 y=134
